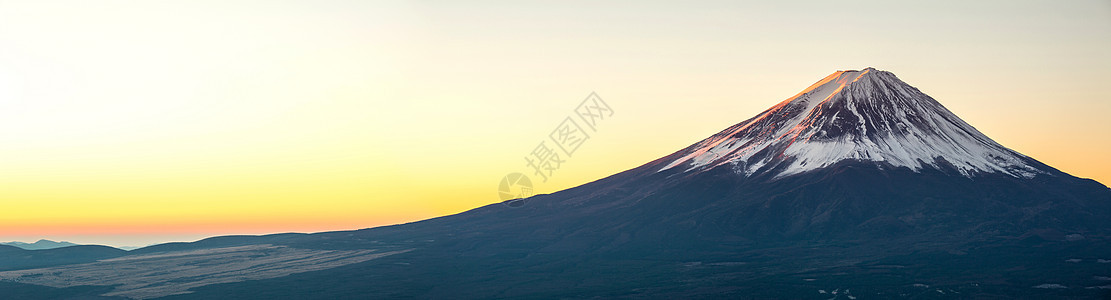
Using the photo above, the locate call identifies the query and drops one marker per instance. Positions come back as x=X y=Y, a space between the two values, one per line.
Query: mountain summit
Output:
x=867 y=115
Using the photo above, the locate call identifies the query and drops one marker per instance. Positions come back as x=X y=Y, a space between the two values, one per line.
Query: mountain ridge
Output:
x=41 y=244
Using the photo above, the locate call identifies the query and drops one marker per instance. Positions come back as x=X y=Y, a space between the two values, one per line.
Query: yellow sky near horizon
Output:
x=134 y=122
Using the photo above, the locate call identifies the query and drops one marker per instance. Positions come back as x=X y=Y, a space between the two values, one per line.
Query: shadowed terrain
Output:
x=154 y=275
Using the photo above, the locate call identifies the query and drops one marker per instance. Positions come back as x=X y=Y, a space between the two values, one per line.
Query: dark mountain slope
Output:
x=849 y=226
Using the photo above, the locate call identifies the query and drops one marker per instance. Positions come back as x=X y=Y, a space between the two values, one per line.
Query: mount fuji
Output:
x=860 y=186
x=859 y=183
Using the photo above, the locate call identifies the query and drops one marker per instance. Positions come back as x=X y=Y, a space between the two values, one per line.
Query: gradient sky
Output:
x=134 y=122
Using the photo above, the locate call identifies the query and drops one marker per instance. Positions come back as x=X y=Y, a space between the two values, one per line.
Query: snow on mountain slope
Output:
x=866 y=115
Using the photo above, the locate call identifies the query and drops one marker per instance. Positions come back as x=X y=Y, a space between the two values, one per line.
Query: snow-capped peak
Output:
x=865 y=115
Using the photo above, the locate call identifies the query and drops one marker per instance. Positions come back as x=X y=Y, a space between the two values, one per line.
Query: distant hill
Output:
x=40 y=245
x=14 y=258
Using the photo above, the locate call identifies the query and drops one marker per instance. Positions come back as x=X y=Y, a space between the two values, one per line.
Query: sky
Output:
x=129 y=123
